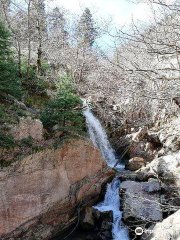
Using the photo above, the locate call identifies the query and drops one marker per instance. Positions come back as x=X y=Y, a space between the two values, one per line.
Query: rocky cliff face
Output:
x=155 y=193
x=41 y=194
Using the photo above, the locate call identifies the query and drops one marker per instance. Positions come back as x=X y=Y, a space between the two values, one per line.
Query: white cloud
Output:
x=120 y=10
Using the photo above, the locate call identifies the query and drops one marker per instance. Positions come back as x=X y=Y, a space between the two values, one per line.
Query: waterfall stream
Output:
x=112 y=203
x=100 y=140
x=112 y=200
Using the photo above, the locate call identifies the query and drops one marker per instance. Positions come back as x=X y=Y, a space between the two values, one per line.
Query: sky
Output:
x=121 y=11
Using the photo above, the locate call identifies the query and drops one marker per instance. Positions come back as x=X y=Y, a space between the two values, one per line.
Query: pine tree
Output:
x=65 y=110
x=57 y=24
x=40 y=16
x=9 y=81
x=86 y=30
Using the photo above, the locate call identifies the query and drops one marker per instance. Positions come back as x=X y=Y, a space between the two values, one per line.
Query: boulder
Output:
x=140 y=144
x=168 y=229
x=126 y=175
x=169 y=135
x=106 y=226
x=41 y=194
x=167 y=169
x=28 y=127
x=141 y=201
x=87 y=221
x=135 y=163
x=143 y=149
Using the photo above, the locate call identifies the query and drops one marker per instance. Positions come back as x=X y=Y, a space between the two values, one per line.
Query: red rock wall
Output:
x=39 y=195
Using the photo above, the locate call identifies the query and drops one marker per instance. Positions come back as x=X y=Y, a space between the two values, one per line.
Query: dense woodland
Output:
x=50 y=58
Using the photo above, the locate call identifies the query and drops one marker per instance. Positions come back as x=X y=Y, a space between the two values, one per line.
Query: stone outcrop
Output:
x=141 y=201
x=41 y=194
x=159 y=141
x=168 y=229
x=141 y=144
x=135 y=163
x=28 y=127
x=166 y=169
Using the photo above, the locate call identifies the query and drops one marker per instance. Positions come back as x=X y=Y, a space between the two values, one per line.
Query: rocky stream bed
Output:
x=52 y=194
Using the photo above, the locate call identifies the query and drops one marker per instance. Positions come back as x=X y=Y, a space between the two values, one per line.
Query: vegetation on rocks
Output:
x=64 y=111
x=26 y=96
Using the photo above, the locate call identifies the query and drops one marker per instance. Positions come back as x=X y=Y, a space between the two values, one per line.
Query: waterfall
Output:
x=99 y=138
x=112 y=203
x=112 y=200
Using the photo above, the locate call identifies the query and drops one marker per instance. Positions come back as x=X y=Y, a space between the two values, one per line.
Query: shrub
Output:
x=64 y=110
x=27 y=142
x=36 y=86
x=7 y=141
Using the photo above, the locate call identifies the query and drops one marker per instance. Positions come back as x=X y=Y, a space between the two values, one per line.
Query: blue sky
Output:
x=121 y=11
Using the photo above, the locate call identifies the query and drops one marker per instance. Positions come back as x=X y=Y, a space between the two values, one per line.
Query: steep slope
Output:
x=42 y=194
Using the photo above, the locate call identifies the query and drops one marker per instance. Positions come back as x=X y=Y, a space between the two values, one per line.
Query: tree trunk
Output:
x=39 y=51
x=29 y=42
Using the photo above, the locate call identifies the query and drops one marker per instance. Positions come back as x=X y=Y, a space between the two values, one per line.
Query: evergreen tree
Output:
x=87 y=32
x=57 y=24
x=65 y=110
x=9 y=81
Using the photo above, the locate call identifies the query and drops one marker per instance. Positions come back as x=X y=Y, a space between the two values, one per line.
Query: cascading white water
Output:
x=112 y=203
x=112 y=200
x=99 y=138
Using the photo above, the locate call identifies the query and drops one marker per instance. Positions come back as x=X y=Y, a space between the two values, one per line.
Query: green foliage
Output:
x=64 y=83
x=7 y=141
x=9 y=80
x=32 y=70
x=36 y=101
x=87 y=32
x=21 y=113
x=36 y=86
x=33 y=67
x=45 y=66
x=64 y=110
x=2 y=113
x=27 y=142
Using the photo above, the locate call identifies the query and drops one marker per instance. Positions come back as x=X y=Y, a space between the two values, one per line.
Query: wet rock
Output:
x=126 y=175
x=103 y=220
x=141 y=201
x=96 y=213
x=107 y=216
x=87 y=221
x=106 y=226
x=105 y=236
x=135 y=163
